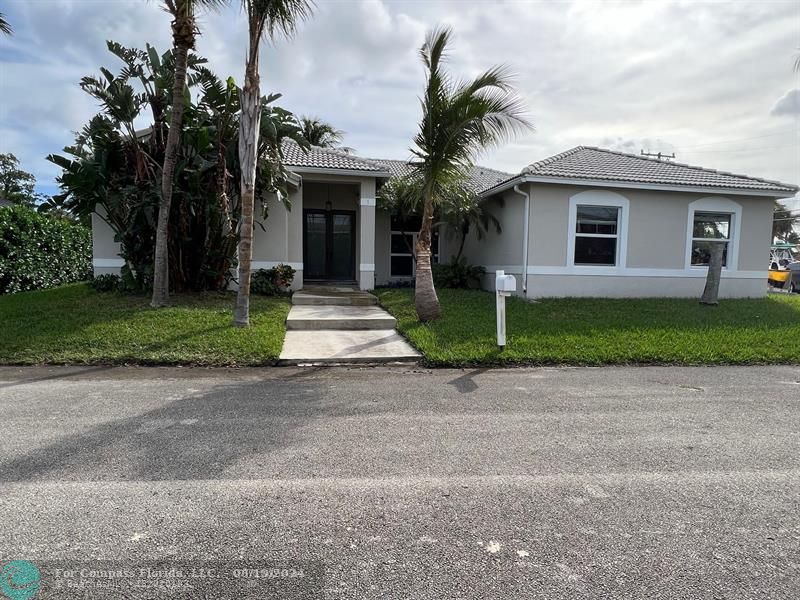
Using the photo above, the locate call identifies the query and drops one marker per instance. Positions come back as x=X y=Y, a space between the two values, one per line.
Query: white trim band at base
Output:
x=627 y=272
x=366 y=267
x=108 y=263
x=365 y=201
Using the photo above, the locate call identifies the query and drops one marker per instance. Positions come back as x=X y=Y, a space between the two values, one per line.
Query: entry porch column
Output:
x=366 y=219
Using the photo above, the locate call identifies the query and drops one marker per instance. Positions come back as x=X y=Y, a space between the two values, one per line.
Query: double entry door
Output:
x=329 y=245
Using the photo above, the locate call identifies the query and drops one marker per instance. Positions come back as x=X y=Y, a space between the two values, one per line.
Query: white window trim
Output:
x=414 y=236
x=411 y=254
x=599 y=198
x=719 y=205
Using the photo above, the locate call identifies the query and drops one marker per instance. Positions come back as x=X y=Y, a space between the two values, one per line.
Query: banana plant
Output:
x=114 y=170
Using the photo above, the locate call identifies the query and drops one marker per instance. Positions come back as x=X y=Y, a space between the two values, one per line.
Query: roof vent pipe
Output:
x=525 y=237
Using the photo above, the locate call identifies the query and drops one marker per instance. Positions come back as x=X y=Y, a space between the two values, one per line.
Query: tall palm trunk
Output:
x=464 y=234
x=425 y=298
x=249 y=127
x=183 y=35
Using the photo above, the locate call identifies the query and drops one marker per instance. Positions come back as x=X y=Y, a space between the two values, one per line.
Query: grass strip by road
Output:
x=76 y=325
x=593 y=331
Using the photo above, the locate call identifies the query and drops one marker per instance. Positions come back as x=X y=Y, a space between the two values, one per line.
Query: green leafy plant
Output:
x=39 y=251
x=272 y=282
x=458 y=274
x=114 y=167
x=107 y=282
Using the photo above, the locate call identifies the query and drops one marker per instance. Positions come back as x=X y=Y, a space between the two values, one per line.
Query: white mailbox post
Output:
x=503 y=285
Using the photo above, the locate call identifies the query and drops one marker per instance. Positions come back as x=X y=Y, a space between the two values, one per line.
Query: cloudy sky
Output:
x=711 y=81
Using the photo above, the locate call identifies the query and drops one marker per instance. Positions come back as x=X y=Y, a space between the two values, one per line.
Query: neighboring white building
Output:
x=587 y=222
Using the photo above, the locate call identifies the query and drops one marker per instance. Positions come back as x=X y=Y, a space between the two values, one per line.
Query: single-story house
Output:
x=586 y=222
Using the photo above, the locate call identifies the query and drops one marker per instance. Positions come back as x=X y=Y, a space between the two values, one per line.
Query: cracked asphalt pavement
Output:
x=640 y=482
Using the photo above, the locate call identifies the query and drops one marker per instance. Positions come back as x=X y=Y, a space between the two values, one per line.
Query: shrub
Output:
x=272 y=282
x=39 y=251
x=400 y=283
x=107 y=282
x=458 y=274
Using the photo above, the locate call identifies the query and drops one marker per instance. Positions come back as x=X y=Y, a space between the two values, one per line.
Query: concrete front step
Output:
x=346 y=347
x=333 y=297
x=339 y=317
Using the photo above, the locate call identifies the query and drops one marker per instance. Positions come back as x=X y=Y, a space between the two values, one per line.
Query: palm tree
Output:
x=463 y=212
x=322 y=134
x=459 y=120
x=184 y=32
x=265 y=18
x=4 y=25
x=460 y=210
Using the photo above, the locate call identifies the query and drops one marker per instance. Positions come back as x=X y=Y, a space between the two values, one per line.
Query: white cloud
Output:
x=696 y=79
x=788 y=104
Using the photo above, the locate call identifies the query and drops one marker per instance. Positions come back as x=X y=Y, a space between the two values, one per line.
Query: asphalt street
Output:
x=403 y=483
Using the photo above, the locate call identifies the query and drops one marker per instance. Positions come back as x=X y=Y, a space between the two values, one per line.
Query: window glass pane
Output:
x=597 y=219
x=595 y=251
x=402 y=266
x=701 y=252
x=411 y=224
x=401 y=245
x=712 y=225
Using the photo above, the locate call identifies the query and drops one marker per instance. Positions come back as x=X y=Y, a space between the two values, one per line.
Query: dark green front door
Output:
x=329 y=245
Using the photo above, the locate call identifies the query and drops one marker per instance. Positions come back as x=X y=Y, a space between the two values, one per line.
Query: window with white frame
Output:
x=402 y=244
x=597 y=229
x=713 y=220
x=596 y=235
x=709 y=228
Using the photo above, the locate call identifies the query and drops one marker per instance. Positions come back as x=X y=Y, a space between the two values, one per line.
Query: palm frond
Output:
x=5 y=27
x=462 y=119
x=277 y=16
x=320 y=133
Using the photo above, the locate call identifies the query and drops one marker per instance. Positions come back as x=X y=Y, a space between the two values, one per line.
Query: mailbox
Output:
x=505 y=283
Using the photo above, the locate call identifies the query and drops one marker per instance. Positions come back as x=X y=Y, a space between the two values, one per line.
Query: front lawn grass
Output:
x=75 y=324
x=592 y=331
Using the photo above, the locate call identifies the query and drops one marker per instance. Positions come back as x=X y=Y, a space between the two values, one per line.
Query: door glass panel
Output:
x=341 y=266
x=314 y=260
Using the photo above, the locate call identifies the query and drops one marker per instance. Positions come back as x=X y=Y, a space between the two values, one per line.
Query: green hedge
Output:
x=39 y=251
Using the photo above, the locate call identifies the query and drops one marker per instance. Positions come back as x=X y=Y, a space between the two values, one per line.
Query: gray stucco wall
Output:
x=382 y=247
x=655 y=263
x=756 y=233
x=504 y=248
x=105 y=251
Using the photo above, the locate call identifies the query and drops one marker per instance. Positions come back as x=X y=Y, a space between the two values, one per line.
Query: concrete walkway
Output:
x=341 y=325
